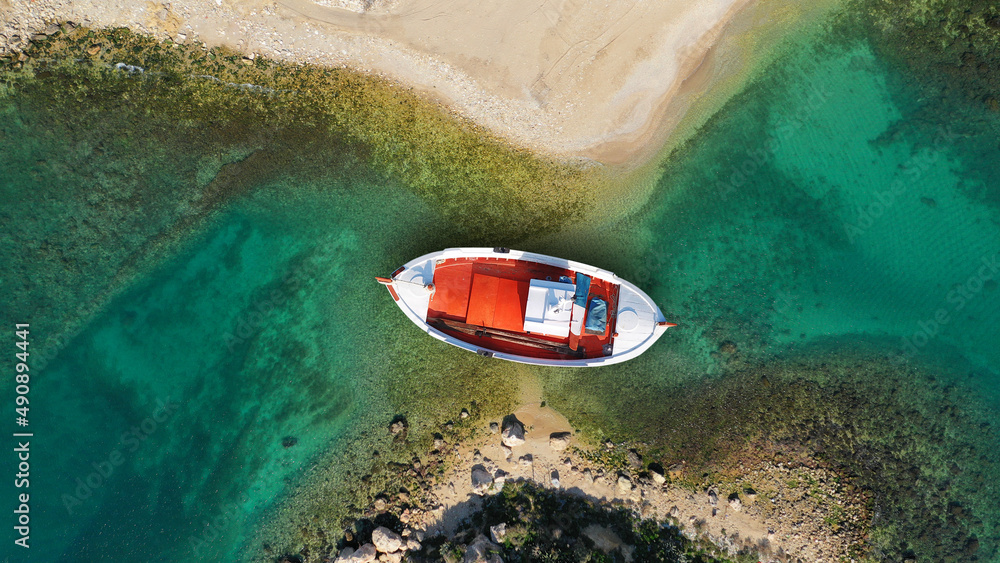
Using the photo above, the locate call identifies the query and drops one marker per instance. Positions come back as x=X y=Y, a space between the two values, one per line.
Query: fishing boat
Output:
x=526 y=307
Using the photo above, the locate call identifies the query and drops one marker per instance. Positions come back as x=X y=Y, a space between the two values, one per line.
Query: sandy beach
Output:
x=607 y=81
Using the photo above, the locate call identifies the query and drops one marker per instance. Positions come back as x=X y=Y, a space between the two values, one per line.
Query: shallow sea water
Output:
x=804 y=216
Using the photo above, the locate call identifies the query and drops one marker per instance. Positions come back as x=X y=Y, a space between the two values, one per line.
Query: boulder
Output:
x=554 y=476
x=526 y=460
x=498 y=532
x=481 y=480
x=559 y=441
x=658 y=478
x=735 y=503
x=386 y=540
x=482 y=550
x=494 y=428
x=394 y=557
x=713 y=497
x=413 y=545
x=398 y=427
x=603 y=538
x=464 y=413
x=364 y=554
x=676 y=470
x=512 y=434
x=346 y=555
x=624 y=483
x=499 y=478
x=634 y=459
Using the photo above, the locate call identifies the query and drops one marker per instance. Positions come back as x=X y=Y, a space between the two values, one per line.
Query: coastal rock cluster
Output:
x=782 y=512
x=385 y=545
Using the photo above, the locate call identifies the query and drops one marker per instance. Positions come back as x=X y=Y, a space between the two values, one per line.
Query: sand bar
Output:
x=581 y=78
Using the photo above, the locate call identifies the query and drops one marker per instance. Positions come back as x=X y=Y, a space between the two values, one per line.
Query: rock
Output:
x=603 y=538
x=482 y=550
x=634 y=459
x=526 y=460
x=413 y=545
x=727 y=347
x=735 y=503
x=346 y=555
x=481 y=480
x=380 y=503
x=364 y=554
x=559 y=441
x=93 y=50
x=52 y=29
x=512 y=434
x=713 y=497
x=554 y=477
x=398 y=427
x=499 y=478
x=494 y=428
x=498 y=532
x=394 y=557
x=438 y=442
x=464 y=413
x=386 y=540
x=675 y=471
x=624 y=483
x=658 y=477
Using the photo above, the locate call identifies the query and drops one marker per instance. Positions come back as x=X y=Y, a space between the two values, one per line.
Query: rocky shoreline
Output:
x=449 y=498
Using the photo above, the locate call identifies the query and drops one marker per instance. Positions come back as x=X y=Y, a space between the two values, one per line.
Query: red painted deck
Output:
x=492 y=293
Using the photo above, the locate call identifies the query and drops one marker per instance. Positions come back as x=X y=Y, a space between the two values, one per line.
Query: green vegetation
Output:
x=488 y=189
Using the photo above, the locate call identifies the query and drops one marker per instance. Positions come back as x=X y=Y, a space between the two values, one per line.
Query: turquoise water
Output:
x=815 y=213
